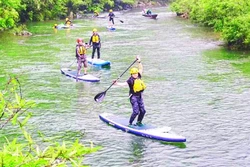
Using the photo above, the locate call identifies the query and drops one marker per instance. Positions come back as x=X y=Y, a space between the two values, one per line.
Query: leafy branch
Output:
x=28 y=152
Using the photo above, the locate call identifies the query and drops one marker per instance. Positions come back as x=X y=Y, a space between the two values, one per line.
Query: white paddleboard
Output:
x=73 y=74
x=147 y=131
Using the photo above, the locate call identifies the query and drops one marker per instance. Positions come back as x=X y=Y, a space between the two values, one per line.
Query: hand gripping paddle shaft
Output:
x=100 y=96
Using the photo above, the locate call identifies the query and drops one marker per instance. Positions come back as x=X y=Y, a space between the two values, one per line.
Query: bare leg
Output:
x=85 y=70
x=79 y=67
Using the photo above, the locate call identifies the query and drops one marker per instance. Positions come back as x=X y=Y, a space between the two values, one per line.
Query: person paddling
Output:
x=68 y=22
x=149 y=12
x=136 y=87
x=111 y=16
x=55 y=26
x=95 y=40
x=96 y=14
x=81 y=56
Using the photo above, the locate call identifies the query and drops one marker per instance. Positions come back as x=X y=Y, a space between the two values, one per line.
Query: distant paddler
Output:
x=95 y=41
x=81 y=55
x=111 y=16
x=68 y=22
x=55 y=26
x=96 y=14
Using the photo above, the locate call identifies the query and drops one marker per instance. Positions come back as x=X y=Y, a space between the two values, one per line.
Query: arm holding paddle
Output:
x=120 y=83
x=100 y=96
x=139 y=64
x=90 y=40
x=140 y=69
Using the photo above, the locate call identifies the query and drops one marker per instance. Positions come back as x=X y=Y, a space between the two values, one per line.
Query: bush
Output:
x=231 y=17
x=237 y=32
x=14 y=109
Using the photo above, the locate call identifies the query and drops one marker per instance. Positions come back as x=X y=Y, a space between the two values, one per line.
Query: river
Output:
x=202 y=97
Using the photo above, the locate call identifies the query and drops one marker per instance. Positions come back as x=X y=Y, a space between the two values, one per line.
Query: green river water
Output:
x=194 y=86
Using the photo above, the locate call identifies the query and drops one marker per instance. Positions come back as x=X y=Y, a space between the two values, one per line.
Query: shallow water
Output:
x=200 y=97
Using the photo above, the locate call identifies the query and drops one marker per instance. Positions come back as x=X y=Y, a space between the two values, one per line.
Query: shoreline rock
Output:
x=23 y=33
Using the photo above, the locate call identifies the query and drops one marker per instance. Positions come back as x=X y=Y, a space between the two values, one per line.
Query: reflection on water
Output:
x=179 y=145
x=137 y=150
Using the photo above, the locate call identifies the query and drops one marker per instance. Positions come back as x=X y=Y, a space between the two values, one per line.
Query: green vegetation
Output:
x=240 y=60
x=14 y=111
x=244 y=67
x=9 y=13
x=14 y=13
x=230 y=17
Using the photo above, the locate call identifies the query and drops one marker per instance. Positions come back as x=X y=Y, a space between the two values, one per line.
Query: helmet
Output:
x=110 y=10
x=67 y=19
x=134 y=70
x=79 y=40
x=55 y=25
x=94 y=30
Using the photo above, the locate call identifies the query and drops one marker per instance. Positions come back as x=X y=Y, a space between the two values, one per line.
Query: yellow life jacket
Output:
x=138 y=85
x=96 y=13
x=95 y=38
x=68 y=23
x=82 y=50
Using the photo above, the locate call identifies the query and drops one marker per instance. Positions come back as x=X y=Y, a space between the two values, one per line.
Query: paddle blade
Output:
x=121 y=21
x=99 y=97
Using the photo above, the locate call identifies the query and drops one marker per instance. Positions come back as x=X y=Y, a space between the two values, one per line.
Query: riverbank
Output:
x=228 y=17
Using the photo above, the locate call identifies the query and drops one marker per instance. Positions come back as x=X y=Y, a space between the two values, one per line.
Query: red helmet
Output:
x=79 y=40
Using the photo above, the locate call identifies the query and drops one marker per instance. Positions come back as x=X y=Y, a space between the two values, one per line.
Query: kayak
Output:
x=148 y=131
x=98 y=62
x=73 y=74
x=152 y=16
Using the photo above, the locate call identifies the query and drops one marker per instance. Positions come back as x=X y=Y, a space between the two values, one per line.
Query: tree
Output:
x=9 y=13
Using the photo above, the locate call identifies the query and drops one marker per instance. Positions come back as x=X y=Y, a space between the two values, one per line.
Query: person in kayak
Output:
x=149 y=12
x=146 y=11
x=111 y=16
x=81 y=50
x=136 y=87
x=68 y=22
x=95 y=40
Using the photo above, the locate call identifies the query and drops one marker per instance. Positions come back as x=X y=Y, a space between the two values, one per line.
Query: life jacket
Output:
x=96 y=13
x=82 y=50
x=68 y=22
x=111 y=15
x=138 y=85
x=95 y=38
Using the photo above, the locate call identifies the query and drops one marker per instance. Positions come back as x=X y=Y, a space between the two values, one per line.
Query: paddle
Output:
x=72 y=63
x=100 y=96
x=120 y=20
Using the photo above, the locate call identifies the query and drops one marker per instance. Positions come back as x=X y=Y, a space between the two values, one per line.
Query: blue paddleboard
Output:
x=147 y=131
x=73 y=74
x=111 y=28
x=98 y=62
